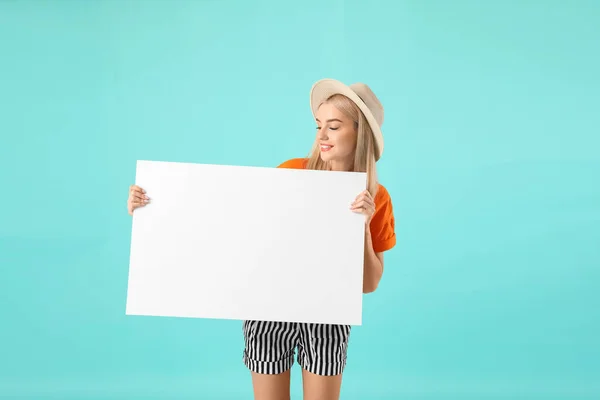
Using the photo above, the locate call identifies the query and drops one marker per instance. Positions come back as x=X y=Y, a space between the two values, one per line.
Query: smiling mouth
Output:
x=326 y=147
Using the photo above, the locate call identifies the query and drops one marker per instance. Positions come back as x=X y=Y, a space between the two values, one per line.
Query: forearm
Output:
x=373 y=268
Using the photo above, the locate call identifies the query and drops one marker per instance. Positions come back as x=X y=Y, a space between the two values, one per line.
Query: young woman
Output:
x=348 y=138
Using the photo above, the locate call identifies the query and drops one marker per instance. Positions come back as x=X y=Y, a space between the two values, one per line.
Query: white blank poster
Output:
x=247 y=243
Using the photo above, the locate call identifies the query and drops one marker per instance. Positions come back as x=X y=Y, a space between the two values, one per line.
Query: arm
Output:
x=380 y=224
x=373 y=265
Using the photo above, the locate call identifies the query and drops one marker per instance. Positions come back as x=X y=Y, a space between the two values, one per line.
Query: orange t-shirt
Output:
x=382 y=224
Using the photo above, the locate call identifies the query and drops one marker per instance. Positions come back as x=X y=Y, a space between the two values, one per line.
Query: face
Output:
x=336 y=136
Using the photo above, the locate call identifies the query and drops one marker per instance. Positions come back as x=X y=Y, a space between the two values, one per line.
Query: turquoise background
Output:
x=492 y=159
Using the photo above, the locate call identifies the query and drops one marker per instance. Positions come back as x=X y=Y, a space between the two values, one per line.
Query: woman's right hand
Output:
x=137 y=198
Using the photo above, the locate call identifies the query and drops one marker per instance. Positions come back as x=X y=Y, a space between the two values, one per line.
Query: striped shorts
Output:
x=270 y=347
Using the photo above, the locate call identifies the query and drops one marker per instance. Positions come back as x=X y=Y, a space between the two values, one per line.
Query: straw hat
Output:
x=360 y=94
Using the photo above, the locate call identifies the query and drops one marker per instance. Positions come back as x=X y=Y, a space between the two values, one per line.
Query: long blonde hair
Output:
x=364 y=155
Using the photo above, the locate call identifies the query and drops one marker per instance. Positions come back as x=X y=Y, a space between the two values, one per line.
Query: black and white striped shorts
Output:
x=270 y=346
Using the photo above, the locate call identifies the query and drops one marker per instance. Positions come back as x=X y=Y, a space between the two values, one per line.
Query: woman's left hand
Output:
x=364 y=204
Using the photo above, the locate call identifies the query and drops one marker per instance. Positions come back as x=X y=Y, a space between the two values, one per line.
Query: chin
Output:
x=326 y=157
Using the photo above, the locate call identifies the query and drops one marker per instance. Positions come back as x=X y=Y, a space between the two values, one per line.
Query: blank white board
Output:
x=247 y=243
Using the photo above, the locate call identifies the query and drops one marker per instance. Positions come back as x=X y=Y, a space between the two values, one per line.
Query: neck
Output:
x=347 y=165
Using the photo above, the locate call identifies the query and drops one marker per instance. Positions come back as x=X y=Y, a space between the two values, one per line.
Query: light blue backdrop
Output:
x=492 y=158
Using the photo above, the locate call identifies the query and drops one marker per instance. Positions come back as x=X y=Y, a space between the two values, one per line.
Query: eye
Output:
x=334 y=128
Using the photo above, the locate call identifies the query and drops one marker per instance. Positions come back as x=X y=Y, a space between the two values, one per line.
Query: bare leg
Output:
x=318 y=387
x=271 y=386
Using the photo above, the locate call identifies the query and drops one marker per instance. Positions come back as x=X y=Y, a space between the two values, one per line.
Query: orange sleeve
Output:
x=383 y=223
x=294 y=163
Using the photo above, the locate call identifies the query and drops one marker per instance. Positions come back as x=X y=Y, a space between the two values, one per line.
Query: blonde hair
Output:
x=364 y=154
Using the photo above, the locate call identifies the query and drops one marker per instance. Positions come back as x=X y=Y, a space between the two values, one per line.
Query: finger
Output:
x=366 y=196
x=363 y=211
x=138 y=202
x=136 y=188
x=137 y=195
x=136 y=191
x=369 y=201
x=357 y=204
x=363 y=203
x=364 y=193
x=140 y=197
x=366 y=210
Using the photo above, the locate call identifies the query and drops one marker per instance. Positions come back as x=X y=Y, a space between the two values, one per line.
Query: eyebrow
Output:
x=330 y=120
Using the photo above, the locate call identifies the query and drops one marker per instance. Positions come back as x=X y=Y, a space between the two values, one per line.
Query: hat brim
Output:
x=325 y=88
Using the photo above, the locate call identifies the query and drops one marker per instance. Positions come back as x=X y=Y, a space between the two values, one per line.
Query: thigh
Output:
x=319 y=387
x=269 y=356
x=322 y=356
x=270 y=386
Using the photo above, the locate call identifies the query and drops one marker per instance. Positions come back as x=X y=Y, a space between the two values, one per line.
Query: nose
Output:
x=322 y=134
